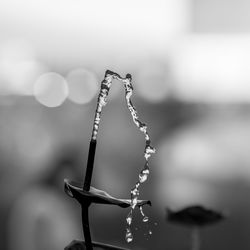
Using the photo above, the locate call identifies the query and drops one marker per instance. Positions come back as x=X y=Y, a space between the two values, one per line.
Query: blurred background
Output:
x=190 y=63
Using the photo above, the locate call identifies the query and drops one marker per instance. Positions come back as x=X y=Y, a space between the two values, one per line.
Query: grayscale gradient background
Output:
x=190 y=63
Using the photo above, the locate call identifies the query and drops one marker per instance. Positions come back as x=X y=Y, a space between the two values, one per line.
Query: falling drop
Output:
x=143 y=176
x=135 y=191
x=150 y=150
x=129 y=218
x=129 y=236
x=150 y=232
x=145 y=218
x=143 y=128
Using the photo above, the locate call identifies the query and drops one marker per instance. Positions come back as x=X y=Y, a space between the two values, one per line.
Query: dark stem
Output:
x=85 y=225
x=86 y=187
x=90 y=165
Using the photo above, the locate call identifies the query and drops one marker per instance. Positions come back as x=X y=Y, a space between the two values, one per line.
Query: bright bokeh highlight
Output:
x=83 y=85
x=84 y=32
x=51 y=89
x=19 y=67
x=212 y=68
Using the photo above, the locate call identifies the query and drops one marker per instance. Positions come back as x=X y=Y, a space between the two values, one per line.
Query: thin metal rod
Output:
x=90 y=165
x=86 y=187
x=86 y=229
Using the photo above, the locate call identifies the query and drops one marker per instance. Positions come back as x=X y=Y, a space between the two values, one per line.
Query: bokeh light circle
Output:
x=83 y=85
x=19 y=67
x=51 y=89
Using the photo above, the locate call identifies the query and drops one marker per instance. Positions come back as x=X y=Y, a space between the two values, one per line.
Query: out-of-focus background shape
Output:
x=190 y=62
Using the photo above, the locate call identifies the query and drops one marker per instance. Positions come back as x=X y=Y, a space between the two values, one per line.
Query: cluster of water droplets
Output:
x=143 y=176
x=101 y=102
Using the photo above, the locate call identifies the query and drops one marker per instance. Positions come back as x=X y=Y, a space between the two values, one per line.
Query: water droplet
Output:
x=150 y=150
x=129 y=236
x=143 y=177
x=135 y=191
x=141 y=210
x=129 y=218
x=145 y=171
x=103 y=101
x=146 y=156
x=156 y=224
x=145 y=218
x=134 y=202
x=143 y=128
x=150 y=232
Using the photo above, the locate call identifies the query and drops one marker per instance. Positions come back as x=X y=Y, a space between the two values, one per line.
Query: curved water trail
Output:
x=143 y=176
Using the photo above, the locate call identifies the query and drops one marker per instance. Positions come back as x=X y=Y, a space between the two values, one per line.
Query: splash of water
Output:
x=101 y=102
x=143 y=176
x=129 y=235
x=145 y=218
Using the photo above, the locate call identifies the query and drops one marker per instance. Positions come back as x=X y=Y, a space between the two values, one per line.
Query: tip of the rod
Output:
x=129 y=76
x=109 y=72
